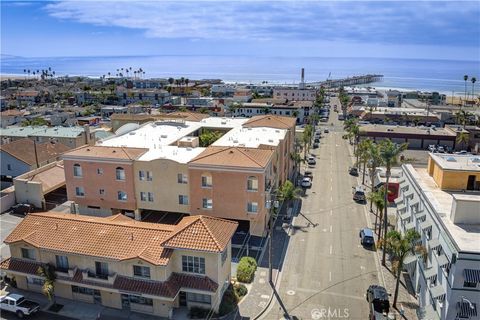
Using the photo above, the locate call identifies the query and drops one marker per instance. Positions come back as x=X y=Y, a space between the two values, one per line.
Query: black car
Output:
x=353 y=171
x=22 y=208
x=315 y=145
x=317 y=140
x=377 y=298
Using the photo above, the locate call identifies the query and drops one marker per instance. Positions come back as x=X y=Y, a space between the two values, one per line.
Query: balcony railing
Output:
x=91 y=275
x=97 y=275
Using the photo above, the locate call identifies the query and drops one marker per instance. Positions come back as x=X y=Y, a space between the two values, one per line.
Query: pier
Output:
x=350 y=81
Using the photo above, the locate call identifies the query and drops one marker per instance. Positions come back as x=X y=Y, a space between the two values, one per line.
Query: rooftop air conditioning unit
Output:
x=163 y=136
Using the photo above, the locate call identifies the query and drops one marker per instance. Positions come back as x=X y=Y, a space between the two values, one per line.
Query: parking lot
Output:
x=7 y=222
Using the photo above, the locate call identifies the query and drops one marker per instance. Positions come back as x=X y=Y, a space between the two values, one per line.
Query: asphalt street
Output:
x=326 y=270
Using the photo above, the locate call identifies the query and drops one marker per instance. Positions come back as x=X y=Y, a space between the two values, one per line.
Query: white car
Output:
x=306 y=182
x=311 y=161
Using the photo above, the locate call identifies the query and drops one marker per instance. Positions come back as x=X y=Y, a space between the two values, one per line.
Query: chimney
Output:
x=303 y=75
x=301 y=85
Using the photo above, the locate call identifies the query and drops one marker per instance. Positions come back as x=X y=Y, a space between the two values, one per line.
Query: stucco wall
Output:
x=17 y=167
x=29 y=192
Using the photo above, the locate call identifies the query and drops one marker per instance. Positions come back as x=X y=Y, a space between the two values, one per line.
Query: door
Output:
x=125 y=302
x=97 y=297
x=183 y=299
x=471 y=183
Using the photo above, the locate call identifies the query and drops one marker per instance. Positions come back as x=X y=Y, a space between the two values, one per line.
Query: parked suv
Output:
x=377 y=298
x=366 y=237
x=311 y=161
x=359 y=194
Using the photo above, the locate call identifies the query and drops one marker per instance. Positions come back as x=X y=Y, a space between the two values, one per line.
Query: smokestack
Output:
x=301 y=85
x=303 y=75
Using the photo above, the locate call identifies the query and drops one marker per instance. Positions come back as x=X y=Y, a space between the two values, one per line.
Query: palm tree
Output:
x=171 y=81
x=400 y=246
x=465 y=78
x=378 y=198
x=307 y=138
x=375 y=161
x=287 y=192
x=463 y=138
x=48 y=289
x=389 y=152
x=297 y=159
x=186 y=82
x=363 y=155
x=473 y=87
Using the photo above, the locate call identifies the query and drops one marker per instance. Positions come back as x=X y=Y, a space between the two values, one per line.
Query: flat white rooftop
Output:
x=222 y=122
x=466 y=236
x=457 y=162
x=174 y=153
x=251 y=137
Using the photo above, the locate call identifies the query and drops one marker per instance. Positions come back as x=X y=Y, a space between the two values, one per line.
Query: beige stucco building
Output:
x=122 y=263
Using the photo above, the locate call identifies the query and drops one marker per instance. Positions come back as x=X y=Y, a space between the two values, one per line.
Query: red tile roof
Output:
x=24 y=150
x=234 y=157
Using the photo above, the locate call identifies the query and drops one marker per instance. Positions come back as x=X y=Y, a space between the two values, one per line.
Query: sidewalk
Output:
x=80 y=310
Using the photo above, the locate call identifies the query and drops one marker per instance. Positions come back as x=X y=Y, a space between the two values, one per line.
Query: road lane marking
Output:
x=330 y=276
x=331 y=188
x=331 y=228
x=331 y=249
x=331 y=198
x=331 y=212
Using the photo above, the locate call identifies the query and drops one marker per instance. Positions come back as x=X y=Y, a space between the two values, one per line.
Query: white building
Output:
x=447 y=279
x=294 y=94
x=299 y=110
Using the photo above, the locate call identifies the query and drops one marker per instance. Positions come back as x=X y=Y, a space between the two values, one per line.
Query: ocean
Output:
x=444 y=76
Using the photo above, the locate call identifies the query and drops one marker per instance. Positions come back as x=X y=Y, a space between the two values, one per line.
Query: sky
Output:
x=388 y=29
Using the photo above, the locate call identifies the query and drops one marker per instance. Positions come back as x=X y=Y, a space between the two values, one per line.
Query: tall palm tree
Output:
x=49 y=275
x=400 y=246
x=473 y=87
x=363 y=155
x=297 y=160
x=375 y=161
x=465 y=78
x=389 y=152
x=307 y=138
x=463 y=138
x=378 y=199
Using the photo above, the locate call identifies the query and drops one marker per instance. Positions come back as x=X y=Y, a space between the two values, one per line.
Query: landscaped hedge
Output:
x=246 y=269
x=240 y=290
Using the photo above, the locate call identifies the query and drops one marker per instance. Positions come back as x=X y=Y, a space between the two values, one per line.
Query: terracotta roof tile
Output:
x=124 y=153
x=234 y=157
x=272 y=121
x=22 y=266
x=201 y=233
x=24 y=150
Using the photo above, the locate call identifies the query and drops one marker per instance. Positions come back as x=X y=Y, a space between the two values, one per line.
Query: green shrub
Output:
x=246 y=269
x=240 y=290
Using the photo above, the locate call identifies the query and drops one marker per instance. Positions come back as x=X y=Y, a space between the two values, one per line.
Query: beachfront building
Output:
x=125 y=264
x=162 y=160
x=294 y=94
x=442 y=202
x=299 y=110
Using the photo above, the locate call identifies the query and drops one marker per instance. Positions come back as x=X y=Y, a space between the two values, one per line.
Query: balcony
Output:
x=104 y=278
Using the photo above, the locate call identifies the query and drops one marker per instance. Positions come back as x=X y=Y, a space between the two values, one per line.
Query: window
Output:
x=9 y=167
x=77 y=170
x=141 y=271
x=193 y=264
x=86 y=291
x=141 y=175
x=224 y=256
x=122 y=196
x=140 y=300
x=101 y=270
x=28 y=253
x=99 y=171
x=150 y=197
x=101 y=191
x=35 y=281
x=206 y=181
x=207 y=203
x=143 y=196
x=252 y=184
x=467 y=284
x=252 y=207
x=183 y=199
x=62 y=263
x=182 y=178
x=149 y=176
x=120 y=173
x=199 y=298
x=79 y=192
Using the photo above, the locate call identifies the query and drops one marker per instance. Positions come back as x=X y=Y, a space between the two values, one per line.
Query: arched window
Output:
x=252 y=183
x=122 y=196
x=120 y=173
x=77 y=170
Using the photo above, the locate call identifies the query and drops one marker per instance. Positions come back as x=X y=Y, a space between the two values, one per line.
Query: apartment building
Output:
x=161 y=173
x=100 y=180
x=124 y=264
x=294 y=94
x=298 y=110
x=441 y=204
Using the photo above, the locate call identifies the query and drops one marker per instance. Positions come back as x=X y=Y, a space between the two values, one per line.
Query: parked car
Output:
x=17 y=304
x=316 y=140
x=353 y=171
x=22 y=208
x=326 y=131
x=311 y=161
x=462 y=152
x=366 y=237
x=306 y=182
x=432 y=148
x=359 y=194
x=377 y=298
x=324 y=119
x=315 y=145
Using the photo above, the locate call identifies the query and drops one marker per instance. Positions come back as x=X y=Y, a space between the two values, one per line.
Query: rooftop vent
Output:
x=476 y=159
x=235 y=141
x=270 y=140
x=389 y=129
x=132 y=133
x=451 y=159
x=164 y=136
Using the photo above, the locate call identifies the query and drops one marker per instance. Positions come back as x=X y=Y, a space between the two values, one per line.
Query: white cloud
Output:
x=372 y=21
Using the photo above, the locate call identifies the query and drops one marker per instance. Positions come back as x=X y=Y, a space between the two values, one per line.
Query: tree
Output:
x=375 y=161
x=465 y=78
x=400 y=246
x=288 y=192
x=48 y=288
x=363 y=155
x=473 y=87
x=297 y=159
x=208 y=137
x=463 y=138
x=307 y=138
x=171 y=81
x=389 y=153
x=378 y=199
x=35 y=122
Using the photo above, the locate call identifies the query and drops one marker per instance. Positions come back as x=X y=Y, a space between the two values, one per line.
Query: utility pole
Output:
x=35 y=150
